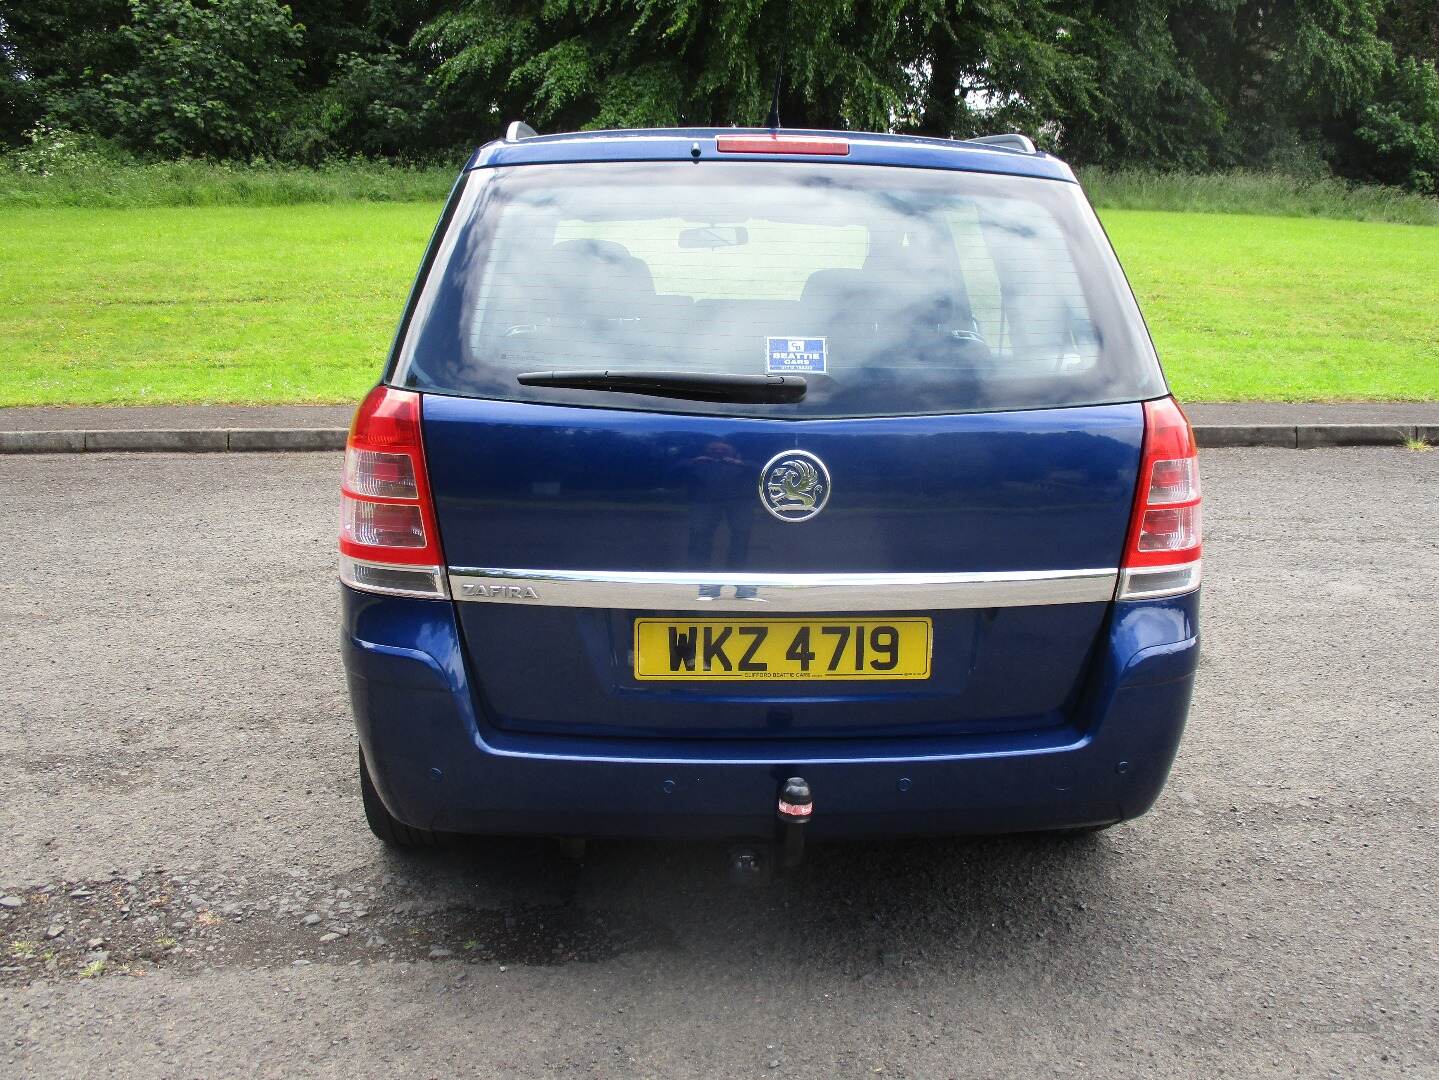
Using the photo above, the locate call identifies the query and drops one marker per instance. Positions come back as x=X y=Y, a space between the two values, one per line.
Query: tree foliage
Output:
x=47 y=46
x=636 y=63
x=213 y=80
x=1346 y=86
x=1399 y=131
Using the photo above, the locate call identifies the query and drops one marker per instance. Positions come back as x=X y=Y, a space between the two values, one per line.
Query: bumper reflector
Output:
x=1151 y=582
x=427 y=582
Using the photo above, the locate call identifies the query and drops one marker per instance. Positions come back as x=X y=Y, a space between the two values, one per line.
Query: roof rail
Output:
x=1012 y=140
x=518 y=130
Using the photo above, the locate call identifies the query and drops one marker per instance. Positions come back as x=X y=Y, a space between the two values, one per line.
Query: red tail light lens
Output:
x=1168 y=531
x=389 y=541
x=1174 y=481
x=386 y=476
x=373 y=525
x=1162 y=553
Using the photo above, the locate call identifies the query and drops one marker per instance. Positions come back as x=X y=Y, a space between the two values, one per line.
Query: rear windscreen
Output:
x=890 y=291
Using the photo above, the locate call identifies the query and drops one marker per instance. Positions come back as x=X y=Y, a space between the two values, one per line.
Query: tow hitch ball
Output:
x=796 y=807
x=750 y=864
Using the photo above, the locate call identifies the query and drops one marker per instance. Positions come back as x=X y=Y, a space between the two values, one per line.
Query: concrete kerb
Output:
x=1233 y=435
x=174 y=440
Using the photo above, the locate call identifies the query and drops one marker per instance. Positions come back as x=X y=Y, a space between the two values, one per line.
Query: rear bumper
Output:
x=436 y=764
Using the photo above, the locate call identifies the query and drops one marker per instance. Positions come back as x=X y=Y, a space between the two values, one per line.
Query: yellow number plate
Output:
x=782 y=648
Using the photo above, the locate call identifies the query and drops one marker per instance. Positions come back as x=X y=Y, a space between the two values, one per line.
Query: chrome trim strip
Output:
x=1139 y=583
x=434 y=576
x=651 y=591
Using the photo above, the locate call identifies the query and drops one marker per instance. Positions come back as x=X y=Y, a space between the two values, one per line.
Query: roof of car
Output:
x=677 y=144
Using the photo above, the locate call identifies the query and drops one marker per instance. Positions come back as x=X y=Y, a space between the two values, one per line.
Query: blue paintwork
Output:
x=439 y=762
x=563 y=670
x=548 y=487
x=675 y=145
x=508 y=719
x=545 y=486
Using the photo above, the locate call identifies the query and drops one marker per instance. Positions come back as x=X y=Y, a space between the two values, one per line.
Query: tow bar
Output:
x=750 y=864
x=796 y=807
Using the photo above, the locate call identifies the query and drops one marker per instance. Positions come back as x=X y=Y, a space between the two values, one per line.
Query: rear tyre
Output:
x=394 y=833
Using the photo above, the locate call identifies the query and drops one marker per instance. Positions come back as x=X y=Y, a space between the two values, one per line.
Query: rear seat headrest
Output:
x=832 y=285
x=616 y=268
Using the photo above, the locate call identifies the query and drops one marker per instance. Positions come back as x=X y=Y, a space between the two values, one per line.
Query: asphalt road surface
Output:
x=187 y=887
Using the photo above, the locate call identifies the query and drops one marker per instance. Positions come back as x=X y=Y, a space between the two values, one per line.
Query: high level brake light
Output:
x=1161 y=557
x=781 y=144
x=389 y=542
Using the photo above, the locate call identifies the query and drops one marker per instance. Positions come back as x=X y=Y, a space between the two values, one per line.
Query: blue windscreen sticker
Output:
x=799 y=356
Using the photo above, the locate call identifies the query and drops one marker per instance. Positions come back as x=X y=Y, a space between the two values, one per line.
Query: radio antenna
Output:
x=773 y=121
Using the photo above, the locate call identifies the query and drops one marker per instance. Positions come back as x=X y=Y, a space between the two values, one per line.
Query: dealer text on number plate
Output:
x=782 y=648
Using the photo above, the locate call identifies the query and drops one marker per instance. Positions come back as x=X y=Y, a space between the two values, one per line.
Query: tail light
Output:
x=388 y=539
x=1161 y=557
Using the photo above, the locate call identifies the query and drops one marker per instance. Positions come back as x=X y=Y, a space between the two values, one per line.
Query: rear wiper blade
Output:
x=693 y=385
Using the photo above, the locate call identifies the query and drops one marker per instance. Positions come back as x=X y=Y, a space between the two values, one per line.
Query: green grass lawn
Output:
x=229 y=304
x=298 y=303
x=1286 y=309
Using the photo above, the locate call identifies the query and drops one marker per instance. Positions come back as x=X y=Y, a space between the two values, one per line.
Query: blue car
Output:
x=757 y=484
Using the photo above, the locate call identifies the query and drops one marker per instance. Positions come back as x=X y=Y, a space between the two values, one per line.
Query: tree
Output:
x=374 y=105
x=1411 y=27
x=47 y=45
x=1282 y=73
x=993 y=65
x=1148 y=107
x=1399 y=132
x=1345 y=85
x=575 y=64
x=210 y=79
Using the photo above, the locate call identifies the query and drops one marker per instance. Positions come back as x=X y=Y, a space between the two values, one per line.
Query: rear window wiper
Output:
x=691 y=385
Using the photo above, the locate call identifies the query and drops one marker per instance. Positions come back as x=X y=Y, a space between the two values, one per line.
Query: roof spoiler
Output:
x=519 y=130
x=1011 y=141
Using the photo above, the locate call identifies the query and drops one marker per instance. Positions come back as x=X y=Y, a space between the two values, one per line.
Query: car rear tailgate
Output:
x=1002 y=529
